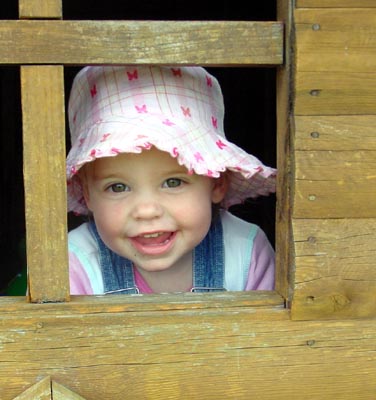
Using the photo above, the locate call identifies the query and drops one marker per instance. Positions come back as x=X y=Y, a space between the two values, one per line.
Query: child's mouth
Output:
x=153 y=243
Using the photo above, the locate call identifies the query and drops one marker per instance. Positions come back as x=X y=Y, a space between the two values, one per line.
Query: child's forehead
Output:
x=148 y=159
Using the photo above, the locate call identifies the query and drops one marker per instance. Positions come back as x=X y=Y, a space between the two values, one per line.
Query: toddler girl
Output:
x=151 y=166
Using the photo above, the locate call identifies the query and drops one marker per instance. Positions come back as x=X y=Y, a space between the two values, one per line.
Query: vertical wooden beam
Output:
x=44 y=182
x=40 y=9
x=44 y=169
x=284 y=241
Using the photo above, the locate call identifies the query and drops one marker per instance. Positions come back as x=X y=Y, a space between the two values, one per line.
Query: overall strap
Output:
x=208 y=261
x=208 y=264
x=117 y=271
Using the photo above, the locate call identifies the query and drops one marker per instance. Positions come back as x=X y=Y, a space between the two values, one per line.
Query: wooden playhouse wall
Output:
x=314 y=338
x=334 y=147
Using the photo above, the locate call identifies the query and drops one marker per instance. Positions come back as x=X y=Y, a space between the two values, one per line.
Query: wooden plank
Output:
x=39 y=391
x=336 y=40
x=60 y=392
x=257 y=304
x=284 y=151
x=335 y=93
x=44 y=182
x=335 y=184
x=175 y=354
x=40 y=8
x=149 y=42
x=348 y=133
x=335 y=273
x=335 y=3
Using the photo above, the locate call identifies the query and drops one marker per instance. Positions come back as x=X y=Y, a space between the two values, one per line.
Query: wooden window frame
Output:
x=48 y=44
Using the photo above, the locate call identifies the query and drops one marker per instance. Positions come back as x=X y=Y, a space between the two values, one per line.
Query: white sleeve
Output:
x=85 y=271
x=249 y=256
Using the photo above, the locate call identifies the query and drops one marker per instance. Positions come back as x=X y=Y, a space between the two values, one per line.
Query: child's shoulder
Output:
x=82 y=238
x=236 y=227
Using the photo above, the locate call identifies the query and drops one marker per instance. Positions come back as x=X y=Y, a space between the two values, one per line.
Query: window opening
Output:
x=257 y=135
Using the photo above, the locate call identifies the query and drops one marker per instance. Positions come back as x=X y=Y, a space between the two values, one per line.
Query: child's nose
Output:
x=147 y=209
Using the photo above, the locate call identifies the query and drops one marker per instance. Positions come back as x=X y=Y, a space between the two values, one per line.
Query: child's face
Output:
x=147 y=207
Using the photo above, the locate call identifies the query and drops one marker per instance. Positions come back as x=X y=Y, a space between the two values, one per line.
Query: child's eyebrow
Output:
x=103 y=174
x=178 y=170
x=175 y=171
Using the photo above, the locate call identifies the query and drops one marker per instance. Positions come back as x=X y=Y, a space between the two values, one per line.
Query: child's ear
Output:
x=84 y=184
x=86 y=194
x=220 y=187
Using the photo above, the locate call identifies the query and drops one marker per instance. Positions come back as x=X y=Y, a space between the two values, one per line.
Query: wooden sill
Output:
x=260 y=304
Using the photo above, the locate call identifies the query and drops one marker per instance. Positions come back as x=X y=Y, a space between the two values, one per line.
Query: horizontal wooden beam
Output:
x=335 y=276
x=334 y=3
x=40 y=9
x=335 y=133
x=335 y=184
x=208 y=43
x=255 y=303
x=226 y=352
x=329 y=40
x=335 y=93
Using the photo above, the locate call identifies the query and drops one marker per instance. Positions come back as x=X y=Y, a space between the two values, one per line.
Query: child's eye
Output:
x=118 y=188
x=172 y=183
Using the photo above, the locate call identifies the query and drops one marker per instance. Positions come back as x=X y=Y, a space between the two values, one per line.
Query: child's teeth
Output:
x=152 y=235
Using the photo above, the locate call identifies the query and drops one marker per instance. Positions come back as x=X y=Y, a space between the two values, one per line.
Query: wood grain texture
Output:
x=334 y=160
x=44 y=181
x=185 y=354
x=335 y=133
x=335 y=61
x=284 y=254
x=335 y=268
x=335 y=3
x=335 y=93
x=335 y=166
x=40 y=8
x=39 y=391
x=60 y=392
x=336 y=40
x=335 y=184
x=147 y=42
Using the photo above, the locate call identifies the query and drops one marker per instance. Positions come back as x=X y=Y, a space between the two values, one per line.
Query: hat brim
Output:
x=200 y=149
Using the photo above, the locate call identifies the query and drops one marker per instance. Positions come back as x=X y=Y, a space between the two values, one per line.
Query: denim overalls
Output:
x=208 y=265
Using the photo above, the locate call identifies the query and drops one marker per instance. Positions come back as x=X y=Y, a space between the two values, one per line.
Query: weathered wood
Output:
x=257 y=303
x=40 y=8
x=284 y=158
x=60 y=392
x=39 y=391
x=335 y=273
x=335 y=3
x=148 y=42
x=336 y=40
x=335 y=93
x=48 y=390
x=336 y=133
x=335 y=66
x=44 y=182
x=334 y=161
x=335 y=184
x=185 y=354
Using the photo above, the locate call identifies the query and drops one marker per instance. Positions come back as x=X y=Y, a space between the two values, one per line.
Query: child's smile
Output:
x=153 y=243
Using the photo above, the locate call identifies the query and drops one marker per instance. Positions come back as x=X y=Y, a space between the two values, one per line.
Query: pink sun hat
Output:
x=179 y=110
